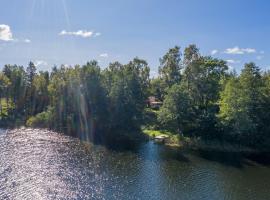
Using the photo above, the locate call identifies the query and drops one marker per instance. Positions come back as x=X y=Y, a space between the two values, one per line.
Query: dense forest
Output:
x=201 y=98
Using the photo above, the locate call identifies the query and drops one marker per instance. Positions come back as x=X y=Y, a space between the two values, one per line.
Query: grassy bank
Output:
x=173 y=140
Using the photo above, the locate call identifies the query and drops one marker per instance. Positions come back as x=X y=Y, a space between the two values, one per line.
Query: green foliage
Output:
x=4 y=85
x=40 y=92
x=158 y=88
x=243 y=106
x=191 y=106
x=202 y=79
x=15 y=93
x=127 y=90
x=170 y=67
x=78 y=100
x=176 y=112
x=201 y=98
x=41 y=120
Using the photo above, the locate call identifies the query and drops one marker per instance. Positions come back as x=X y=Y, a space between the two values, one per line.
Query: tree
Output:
x=30 y=88
x=157 y=88
x=4 y=84
x=41 y=94
x=127 y=87
x=202 y=79
x=170 y=67
x=176 y=112
x=242 y=106
x=78 y=101
x=94 y=103
x=15 y=97
x=191 y=54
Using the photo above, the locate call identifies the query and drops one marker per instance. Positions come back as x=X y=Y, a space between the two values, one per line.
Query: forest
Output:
x=201 y=98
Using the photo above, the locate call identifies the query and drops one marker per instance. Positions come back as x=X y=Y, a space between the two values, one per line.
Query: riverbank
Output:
x=181 y=142
x=131 y=138
x=172 y=140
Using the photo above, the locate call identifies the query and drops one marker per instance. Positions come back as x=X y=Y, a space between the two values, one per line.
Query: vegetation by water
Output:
x=201 y=99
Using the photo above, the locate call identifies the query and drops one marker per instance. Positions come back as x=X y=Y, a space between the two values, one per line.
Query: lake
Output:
x=39 y=164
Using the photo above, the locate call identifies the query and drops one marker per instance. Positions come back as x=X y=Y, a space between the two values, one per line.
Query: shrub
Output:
x=41 y=120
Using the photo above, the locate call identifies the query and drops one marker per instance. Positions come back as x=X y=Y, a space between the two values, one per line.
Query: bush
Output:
x=41 y=120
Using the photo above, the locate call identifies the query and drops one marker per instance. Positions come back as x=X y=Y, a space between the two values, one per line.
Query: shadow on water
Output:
x=136 y=143
x=146 y=149
x=150 y=151
x=260 y=158
x=235 y=159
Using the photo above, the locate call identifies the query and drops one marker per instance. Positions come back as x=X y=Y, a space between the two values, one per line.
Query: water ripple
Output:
x=41 y=164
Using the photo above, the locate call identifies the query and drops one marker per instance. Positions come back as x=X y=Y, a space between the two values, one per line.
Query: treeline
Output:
x=82 y=100
x=201 y=98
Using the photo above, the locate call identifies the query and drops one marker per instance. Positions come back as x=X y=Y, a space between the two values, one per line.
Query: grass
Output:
x=151 y=129
x=173 y=139
x=154 y=133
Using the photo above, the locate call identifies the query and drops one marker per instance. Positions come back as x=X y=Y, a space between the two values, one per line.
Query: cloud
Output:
x=249 y=50
x=79 y=33
x=5 y=33
x=39 y=63
x=104 y=55
x=214 y=52
x=97 y=34
x=27 y=40
x=237 y=50
x=232 y=61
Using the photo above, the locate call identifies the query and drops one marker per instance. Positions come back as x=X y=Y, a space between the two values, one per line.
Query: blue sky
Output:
x=58 y=32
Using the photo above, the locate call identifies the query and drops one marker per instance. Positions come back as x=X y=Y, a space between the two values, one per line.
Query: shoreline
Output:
x=172 y=141
x=185 y=143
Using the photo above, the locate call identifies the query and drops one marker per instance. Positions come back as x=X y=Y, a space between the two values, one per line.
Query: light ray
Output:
x=66 y=13
x=32 y=8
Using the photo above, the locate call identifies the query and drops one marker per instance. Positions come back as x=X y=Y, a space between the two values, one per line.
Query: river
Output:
x=39 y=164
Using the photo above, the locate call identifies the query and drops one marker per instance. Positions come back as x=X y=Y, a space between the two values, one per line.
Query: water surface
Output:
x=39 y=164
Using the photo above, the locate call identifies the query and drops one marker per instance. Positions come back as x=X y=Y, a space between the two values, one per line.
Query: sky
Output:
x=54 y=32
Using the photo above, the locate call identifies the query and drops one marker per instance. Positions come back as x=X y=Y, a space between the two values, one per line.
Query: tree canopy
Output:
x=200 y=97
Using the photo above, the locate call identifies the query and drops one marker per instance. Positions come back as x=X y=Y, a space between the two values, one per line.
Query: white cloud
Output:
x=27 y=40
x=39 y=63
x=249 y=50
x=213 y=52
x=261 y=52
x=79 y=33
x=237 y=50
x=104 y=55
x=232 y=61
x=97 y=34
x=5 y=33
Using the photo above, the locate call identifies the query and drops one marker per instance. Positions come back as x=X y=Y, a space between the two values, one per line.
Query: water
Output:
x=38 y=164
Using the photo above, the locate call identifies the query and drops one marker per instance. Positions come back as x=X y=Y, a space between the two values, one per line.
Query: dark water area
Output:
x=39 y=164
